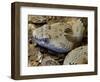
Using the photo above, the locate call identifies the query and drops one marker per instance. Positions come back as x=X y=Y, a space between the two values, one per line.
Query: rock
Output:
x=34 y=55
x=31 y=28
x=37 y=19
x=59 y=37
x=47 y=61
x=54 y=19
x=77 y=56
x=77 y=28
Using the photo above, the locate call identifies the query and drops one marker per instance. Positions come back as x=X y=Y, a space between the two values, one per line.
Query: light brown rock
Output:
x=77 y=56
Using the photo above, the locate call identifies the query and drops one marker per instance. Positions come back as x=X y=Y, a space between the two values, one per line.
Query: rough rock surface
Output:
x=77 y=56
x=47 y=61
x=37 y=19
x=34 y=55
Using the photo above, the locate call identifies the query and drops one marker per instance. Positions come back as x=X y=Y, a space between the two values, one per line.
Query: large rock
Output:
x=59 y=37
x=77 y=56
